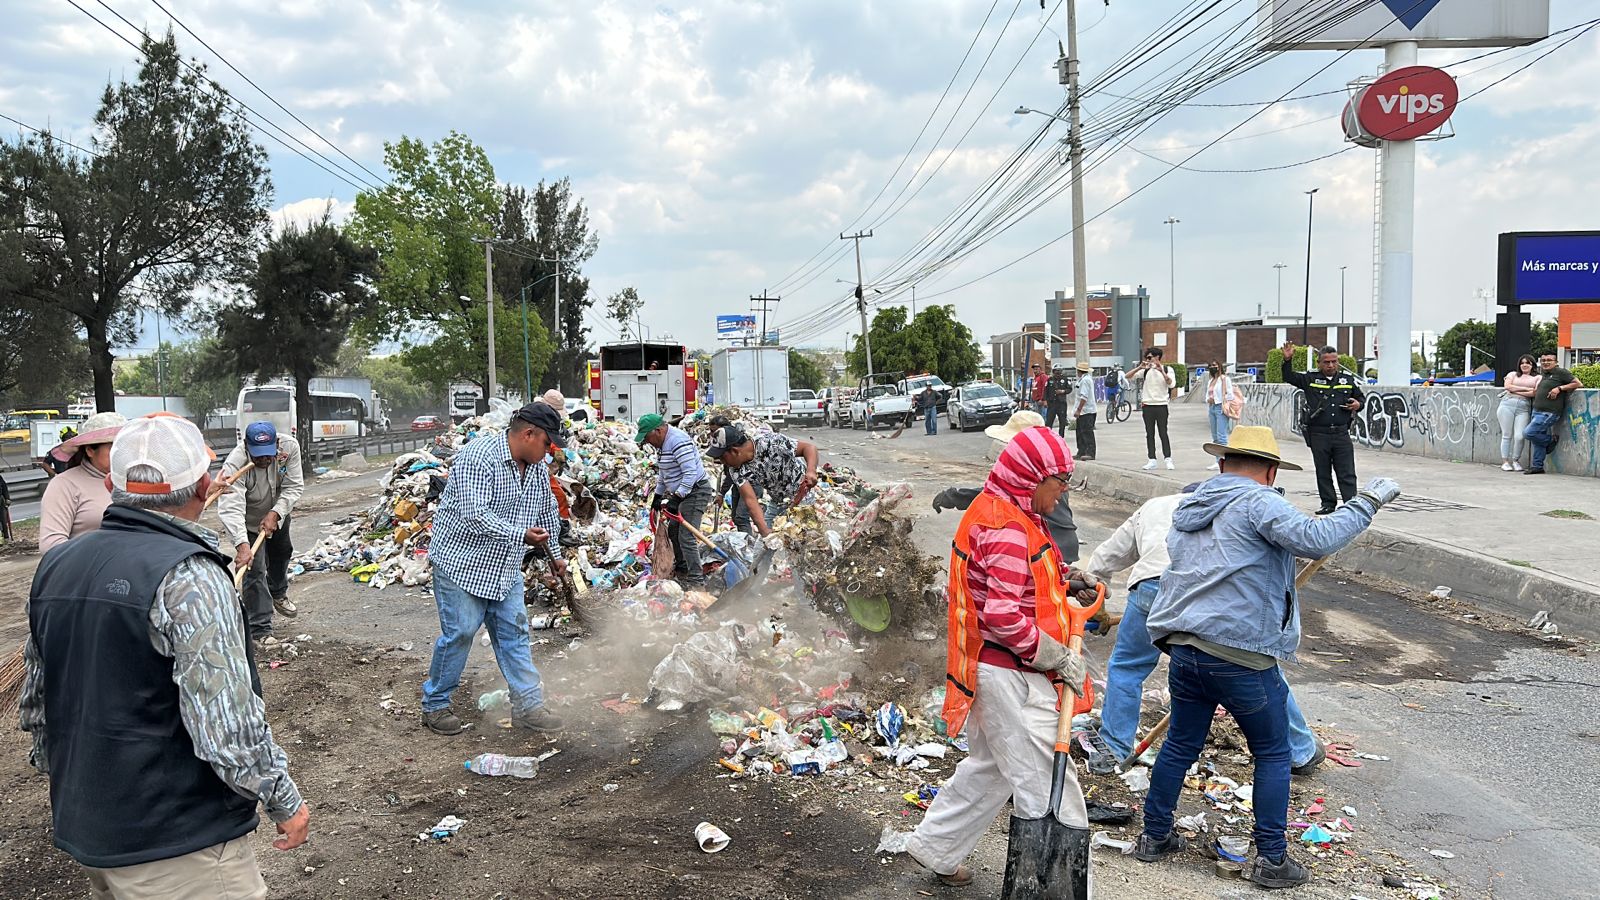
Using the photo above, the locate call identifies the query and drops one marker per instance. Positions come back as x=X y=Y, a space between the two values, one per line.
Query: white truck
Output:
x=755 y=379
x=630 y=379
x=805 y=407
x=878 y=401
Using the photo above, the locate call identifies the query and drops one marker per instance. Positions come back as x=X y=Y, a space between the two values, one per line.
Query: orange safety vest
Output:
x=561 y=498
x=1053 y=608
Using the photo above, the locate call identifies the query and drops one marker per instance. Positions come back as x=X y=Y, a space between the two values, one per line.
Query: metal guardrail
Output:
x=26 y=482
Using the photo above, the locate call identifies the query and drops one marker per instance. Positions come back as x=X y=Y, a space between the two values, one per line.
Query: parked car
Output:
x=979 y=403
x=913 y=386
x=578 y=409
x=805 y=407
x=878 y=401
x=836 y=406
x=427 y=423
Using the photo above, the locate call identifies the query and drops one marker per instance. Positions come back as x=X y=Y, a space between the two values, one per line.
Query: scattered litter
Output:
x=1104 y=839
x=445 y=829
x=1233 y=848
x=1316 y=834
x=1195 y=823
x=497 y=764
x=711 y=838
x=611 y=788
x=1137 y=780
x=1441 y=854
x=891 y=841
x=1442 y=592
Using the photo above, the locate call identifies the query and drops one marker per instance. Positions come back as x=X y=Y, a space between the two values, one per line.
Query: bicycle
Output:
x=1119 y=411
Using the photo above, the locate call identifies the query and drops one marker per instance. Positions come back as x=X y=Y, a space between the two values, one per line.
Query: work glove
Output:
x=657 y=502
x=672 y=503
x=1380 y=491
x=1082 y=580
x=1054 y=656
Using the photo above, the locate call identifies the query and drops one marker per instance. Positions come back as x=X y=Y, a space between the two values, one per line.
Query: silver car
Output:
x=977 y=404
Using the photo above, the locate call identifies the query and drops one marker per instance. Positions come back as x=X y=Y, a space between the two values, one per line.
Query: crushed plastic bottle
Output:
x=494 y=700
x=495 y=764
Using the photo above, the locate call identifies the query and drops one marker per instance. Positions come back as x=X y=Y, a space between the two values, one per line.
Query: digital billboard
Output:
x=1549 y=267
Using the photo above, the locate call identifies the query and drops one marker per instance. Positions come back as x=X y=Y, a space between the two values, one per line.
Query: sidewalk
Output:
x=1482 y=532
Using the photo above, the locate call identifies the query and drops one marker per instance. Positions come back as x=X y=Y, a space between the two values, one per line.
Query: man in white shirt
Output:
x=1085 y=412
x=1156 y=382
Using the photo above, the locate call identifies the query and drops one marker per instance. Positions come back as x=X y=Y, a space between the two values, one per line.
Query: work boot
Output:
x=541 y=719
x=1148 y=849
x=442 y=721
x=1285 y=873
x=1310 y=766
x=285 y=607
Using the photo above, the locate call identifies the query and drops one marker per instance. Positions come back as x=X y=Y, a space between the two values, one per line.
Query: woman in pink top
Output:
x=1516 y=407
x=75 y=500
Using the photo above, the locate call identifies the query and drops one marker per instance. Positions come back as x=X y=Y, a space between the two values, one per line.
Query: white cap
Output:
x=172 y=446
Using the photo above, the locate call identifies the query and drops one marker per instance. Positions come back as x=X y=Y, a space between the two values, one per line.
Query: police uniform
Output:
x=1326 y=425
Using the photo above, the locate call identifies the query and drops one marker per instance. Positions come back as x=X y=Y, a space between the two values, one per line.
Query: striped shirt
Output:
x=1000 y=582
x=489 y=503
x=680 y=468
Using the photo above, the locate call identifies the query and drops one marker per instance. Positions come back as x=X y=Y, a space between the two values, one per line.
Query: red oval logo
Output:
x=1098 y=323
x=1407 y=103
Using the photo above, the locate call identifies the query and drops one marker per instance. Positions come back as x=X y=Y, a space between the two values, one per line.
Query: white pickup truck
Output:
x=878 y=401
x=805 y=407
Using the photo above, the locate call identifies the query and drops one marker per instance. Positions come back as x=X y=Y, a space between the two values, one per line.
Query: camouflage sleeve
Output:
x=30 y=708
x=196 y=621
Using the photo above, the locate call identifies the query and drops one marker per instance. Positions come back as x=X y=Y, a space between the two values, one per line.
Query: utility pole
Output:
x=861 y=295
x=1172 y=264
x=764 y=300
x=1349 y=332
x=488 y=294
x=1080 y=272
x=555 y=324
x=1305 y=321
x=913 y=301
x=1280 y=267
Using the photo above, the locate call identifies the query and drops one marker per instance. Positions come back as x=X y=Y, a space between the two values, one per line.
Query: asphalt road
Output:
x=1492 y=741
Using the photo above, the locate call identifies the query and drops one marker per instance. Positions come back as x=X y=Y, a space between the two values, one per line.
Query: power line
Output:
x=49 y=135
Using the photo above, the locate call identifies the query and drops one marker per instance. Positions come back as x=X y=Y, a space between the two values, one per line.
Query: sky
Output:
x=721 y=145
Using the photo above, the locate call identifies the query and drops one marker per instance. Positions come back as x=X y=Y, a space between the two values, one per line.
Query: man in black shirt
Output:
x=1332 y=396
x=1058 y=393
x=1549 y=405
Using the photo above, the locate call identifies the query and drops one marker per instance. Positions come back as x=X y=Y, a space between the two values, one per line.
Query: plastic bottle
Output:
x=493 y=764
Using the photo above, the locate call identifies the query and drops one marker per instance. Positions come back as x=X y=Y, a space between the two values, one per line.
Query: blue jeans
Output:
x=1041 y=409
x=1221 y=425
x=741 y=514
x=1258 y=701
x=1134 y=658
x=930 y=419
x=1541 y=434
x=460 y=616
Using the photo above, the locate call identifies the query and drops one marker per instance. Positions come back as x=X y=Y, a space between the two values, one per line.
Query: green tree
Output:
x=1450 y=351
x=309 y=287
x=622 y=308
x=399 y=386
x=459 y=354
x=535 y=229
x=805 y=371
x=186 y=370
x=935 y=341
x=1544 y=338
x=173 y=198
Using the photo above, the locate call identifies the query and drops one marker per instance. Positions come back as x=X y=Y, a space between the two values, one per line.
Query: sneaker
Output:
x=1285 y=873
x=1149 y=465
x=442 y=721
x=541 y=719
x=1310 y=766
x=1148 y=849
x=285 y=607
x=1169 y=463
x=1516 y=466
x=1533 y=471
x=1506 y=466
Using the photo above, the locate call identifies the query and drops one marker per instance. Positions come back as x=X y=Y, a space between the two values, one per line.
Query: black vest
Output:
x=125 y=784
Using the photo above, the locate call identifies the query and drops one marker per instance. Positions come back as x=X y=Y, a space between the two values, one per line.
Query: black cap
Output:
x=540 y=415
x=724 y=439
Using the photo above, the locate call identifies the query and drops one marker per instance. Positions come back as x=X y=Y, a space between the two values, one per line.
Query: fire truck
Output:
x=634 y=378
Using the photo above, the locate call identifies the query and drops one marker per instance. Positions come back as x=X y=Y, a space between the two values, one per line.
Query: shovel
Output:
x=1046 y=859
x=733 y=570
x=238 y=577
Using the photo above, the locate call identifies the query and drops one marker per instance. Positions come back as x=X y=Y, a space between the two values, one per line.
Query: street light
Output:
x=1280 y=267
x=1172 y=265
x=1024 y=110
x=1305 y=322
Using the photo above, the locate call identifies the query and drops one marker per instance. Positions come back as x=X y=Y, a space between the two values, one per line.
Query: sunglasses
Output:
x=1065 y=482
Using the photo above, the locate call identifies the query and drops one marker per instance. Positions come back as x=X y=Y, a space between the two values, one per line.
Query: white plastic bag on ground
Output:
x=704 y=667
x=891 y=841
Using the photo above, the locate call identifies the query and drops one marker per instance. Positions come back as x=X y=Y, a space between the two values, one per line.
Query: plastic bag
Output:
x=499 y=415
x=704 y=667
x=891 y=841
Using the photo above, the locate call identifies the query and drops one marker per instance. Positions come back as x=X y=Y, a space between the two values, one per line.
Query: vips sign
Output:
x=1401 y=106
x=1099 y=325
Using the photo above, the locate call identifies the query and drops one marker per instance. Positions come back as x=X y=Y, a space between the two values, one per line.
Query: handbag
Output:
x=1233 y=407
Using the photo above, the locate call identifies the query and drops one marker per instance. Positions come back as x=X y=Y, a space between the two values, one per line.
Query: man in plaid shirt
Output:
x=496 y=505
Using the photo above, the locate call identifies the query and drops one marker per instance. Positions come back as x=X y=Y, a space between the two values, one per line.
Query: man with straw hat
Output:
x=1226 y=615
x=75 y=499
x=138 y=690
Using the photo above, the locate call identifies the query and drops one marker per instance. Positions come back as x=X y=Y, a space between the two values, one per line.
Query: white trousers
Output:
x=1011 y=736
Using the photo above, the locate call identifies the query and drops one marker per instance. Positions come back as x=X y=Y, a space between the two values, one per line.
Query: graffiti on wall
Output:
x=1447 y=423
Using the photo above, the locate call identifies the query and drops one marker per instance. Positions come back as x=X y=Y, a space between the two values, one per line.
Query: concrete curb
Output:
x=1415 y=562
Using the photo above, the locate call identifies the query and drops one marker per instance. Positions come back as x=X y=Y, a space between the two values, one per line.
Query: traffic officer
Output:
x=1332 y=396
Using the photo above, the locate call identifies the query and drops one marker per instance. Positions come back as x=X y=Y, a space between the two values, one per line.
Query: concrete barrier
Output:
x=1454 y=423
x=1414 y=562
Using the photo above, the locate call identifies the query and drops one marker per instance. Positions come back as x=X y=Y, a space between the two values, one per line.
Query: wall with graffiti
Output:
x=1454 y=423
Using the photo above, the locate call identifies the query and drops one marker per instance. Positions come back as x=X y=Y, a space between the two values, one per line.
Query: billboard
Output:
x=1344 y=24
x=736 y=326
x=1549 y=267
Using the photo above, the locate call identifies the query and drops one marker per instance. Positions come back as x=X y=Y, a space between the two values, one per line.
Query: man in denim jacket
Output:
x=1226 y=614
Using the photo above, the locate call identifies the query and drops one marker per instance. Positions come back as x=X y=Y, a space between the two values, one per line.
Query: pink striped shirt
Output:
x=1000 y=583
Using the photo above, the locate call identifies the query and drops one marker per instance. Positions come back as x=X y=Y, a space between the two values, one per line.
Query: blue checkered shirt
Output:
x=487 y=507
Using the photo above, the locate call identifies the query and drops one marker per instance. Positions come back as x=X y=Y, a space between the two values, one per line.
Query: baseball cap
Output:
x=726 y=438
x=261 y=439
x=540 y=415
x=172 y=446
x=647 y=423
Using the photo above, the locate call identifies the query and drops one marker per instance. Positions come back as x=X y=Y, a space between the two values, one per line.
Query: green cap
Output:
x=647 y=423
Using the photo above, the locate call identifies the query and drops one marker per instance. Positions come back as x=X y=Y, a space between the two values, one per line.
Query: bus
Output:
x=633 y=378
x=334 y=414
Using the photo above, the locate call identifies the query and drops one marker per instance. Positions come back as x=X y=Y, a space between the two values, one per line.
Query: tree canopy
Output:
x=1450 y=352
x=186 y=370
x=172 y=197
x=805 y=371
x=935 y=341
